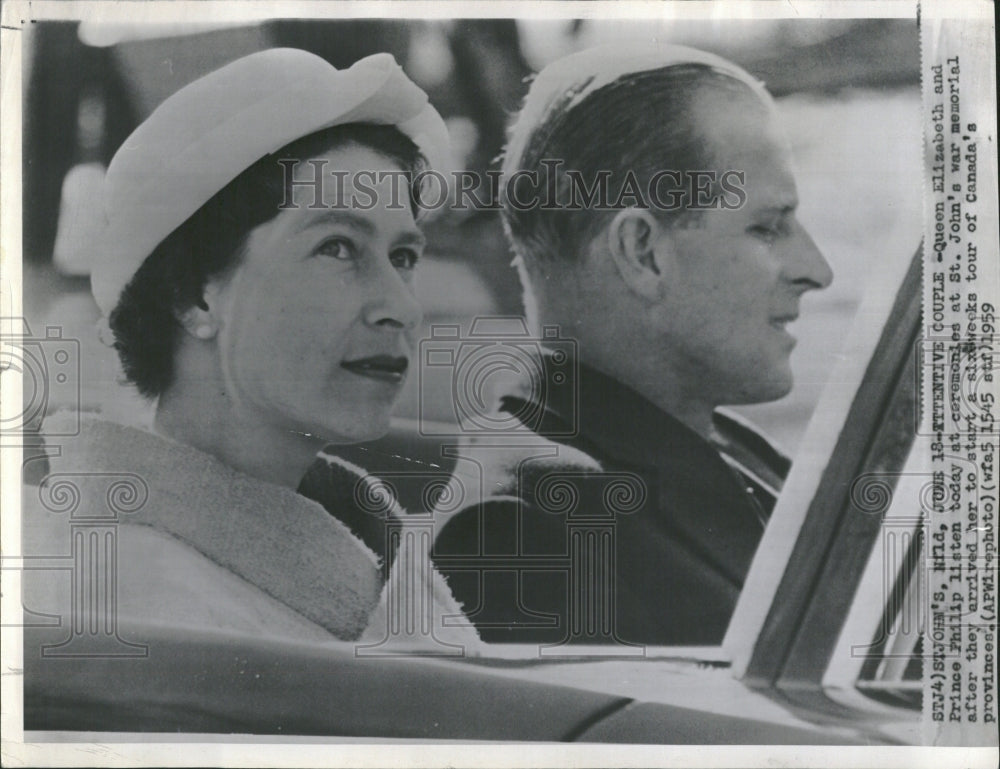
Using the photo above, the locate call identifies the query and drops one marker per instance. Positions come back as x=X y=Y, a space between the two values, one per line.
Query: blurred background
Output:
x=848 y=91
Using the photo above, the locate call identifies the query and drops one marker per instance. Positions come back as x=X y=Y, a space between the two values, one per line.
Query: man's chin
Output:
x=776 y=391
x=764 y=391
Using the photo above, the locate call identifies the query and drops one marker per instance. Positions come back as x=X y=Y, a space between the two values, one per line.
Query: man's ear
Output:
x=201 y=320
x=632 y=238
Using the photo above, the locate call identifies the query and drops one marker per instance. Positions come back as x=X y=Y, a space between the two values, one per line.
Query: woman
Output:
x=257 y=281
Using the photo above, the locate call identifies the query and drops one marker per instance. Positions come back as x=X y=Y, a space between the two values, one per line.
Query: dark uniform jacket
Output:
x=631 y=529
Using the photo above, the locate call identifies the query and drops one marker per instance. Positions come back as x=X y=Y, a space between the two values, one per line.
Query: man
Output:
x=676 y=283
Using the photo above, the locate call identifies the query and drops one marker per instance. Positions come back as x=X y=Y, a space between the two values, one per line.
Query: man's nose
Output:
x=807 y=266
x=392 y=303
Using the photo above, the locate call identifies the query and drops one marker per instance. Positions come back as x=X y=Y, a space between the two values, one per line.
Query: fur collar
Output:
x=276 y=539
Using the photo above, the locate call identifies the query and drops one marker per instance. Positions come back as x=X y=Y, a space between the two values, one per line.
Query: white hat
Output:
x=586 y=71
x=206 y=134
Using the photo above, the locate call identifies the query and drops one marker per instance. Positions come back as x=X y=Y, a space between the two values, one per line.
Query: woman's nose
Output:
x=808 y=267
x=393 y=303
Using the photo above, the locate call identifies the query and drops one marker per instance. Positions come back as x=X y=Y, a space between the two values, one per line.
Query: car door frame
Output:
x=786 y=630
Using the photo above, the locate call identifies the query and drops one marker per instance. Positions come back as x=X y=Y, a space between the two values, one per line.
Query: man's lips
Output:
x=384 y=368
x=780 y=321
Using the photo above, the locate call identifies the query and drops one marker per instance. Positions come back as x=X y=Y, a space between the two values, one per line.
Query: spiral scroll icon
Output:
x=127 y=495
x=59 y=495
x=375 y=496
x=872 y=493
x=556 y=494
x=624 y=493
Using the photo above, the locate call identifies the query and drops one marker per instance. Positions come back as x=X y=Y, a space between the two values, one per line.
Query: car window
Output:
x=804 y=590
x=879 y=653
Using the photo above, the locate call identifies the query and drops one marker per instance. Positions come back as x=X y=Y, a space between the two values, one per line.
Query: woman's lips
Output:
x=384 y=368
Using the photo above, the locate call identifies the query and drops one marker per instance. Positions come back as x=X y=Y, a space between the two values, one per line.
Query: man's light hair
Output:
x=637 y=121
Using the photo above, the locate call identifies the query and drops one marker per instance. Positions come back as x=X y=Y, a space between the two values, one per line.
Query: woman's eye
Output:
x=404 y=258
x=337 y=248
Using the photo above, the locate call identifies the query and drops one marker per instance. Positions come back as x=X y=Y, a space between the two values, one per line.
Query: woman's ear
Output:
x=632 y=239
x=201 y=320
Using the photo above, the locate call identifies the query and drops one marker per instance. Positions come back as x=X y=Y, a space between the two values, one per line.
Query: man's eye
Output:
x=764 y=232
x=404 y=258
x=337 y=248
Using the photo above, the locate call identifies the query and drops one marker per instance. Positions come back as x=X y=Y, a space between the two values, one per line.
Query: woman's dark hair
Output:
x=171 y=280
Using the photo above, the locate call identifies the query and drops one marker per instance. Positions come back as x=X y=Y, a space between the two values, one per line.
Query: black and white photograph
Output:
x=525 y=384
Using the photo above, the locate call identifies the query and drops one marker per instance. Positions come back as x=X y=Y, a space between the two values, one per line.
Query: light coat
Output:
x=198 y=544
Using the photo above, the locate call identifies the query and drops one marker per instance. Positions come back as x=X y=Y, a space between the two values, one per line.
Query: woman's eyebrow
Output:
x=347 y=218
x=363 y=225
